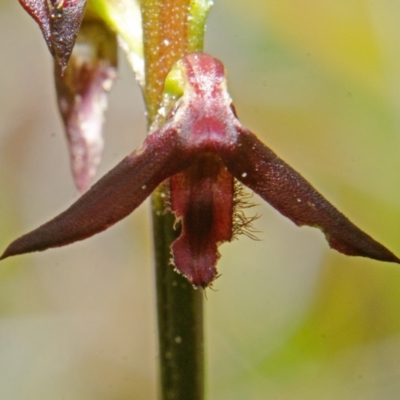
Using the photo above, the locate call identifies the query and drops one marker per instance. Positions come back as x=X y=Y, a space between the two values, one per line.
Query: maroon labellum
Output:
x=201 y=149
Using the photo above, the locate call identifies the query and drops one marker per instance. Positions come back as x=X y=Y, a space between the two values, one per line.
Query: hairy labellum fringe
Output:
x=242 y=223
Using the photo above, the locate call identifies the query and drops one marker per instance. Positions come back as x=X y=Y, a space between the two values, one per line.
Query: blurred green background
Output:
x=319 y=82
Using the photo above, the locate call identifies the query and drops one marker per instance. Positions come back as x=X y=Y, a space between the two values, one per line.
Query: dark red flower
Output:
x=84 y=49
x=59 y=21
x=200 y=151
x=82 y=97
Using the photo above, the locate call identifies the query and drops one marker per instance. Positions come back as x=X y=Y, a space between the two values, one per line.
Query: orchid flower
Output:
x=201 y=152
x=82 y=96
x=83 y=42
x=59 y=21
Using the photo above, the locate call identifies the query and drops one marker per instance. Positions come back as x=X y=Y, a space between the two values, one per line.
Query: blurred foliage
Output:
x=318 y=81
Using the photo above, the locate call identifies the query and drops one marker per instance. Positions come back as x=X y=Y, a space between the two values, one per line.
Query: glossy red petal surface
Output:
x=256 y=166
x=115 y=196
x=202 y=199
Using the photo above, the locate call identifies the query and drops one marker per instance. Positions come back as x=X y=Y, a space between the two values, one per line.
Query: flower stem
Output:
x=172 y=29
x=180 y=319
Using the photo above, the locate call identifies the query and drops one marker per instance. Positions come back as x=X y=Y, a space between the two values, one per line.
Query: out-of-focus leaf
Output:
x=124 y=17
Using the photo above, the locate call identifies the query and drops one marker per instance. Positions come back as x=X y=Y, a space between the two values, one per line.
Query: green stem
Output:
x=180 y=319
x=172 y=29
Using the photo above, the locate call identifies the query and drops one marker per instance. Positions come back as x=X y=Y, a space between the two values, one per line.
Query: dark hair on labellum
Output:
x=209 y=286
x=242 y=224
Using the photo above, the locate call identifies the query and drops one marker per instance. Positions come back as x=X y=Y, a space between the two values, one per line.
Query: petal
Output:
x=82 y=97
x=59 y=22
x=115 y=196
x=202 y=199
x=65 y=20
x=256 y=166
x=39 y=11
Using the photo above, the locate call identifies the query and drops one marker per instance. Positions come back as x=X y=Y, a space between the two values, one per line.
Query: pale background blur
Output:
x=319 y=82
